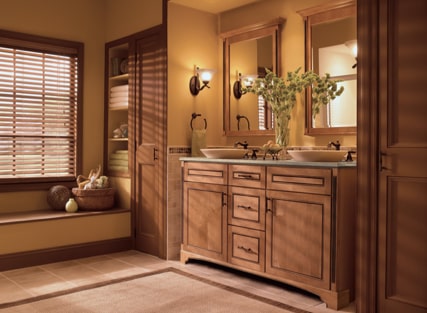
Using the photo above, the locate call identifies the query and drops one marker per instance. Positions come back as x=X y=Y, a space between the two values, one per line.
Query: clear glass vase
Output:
x=281 y=128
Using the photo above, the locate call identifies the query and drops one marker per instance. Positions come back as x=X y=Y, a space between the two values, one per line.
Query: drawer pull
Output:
x=246 y=207
x=247 y=250
x=245 y=176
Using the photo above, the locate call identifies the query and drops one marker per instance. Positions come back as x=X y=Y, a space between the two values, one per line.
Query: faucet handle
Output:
x=337 y=145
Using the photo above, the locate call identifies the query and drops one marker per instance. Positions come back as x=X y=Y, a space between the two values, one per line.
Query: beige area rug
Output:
x=168 y=290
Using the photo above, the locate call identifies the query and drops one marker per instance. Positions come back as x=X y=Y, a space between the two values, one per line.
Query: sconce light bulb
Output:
x=205 y=75
x=352 y=45
x=354 y=50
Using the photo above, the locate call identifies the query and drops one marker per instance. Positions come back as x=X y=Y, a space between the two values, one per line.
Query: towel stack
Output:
x=118 y=161
x=119 y=96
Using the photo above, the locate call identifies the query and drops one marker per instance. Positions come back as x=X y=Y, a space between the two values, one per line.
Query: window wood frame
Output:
x=60 y=47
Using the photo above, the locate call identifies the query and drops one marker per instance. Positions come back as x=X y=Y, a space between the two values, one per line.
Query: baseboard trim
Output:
x=58 y=254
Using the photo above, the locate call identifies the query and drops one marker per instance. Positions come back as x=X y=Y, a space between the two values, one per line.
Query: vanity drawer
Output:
x=246 y=176
x=209 y=173
x=246 y=247
x=307 y=180
x=246 y=207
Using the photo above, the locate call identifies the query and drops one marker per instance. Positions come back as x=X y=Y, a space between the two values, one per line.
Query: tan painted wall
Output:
x=191 y=41
x=92 y=22
x=126 y=17
x=61 y=232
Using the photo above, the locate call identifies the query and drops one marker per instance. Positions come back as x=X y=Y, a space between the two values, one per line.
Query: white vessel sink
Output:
x=224 y=153
x=317 y=155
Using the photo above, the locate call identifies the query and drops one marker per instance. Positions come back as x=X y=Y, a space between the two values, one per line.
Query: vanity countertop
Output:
x=270 y=162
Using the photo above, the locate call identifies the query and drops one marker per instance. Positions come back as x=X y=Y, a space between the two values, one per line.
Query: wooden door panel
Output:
x=298 y=237
x=149 y=135
x=406 y=234
x=402 y=213
x=205 y=219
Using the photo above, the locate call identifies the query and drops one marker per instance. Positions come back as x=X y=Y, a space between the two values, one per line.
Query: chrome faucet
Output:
x=244 y=144
x=337 y=145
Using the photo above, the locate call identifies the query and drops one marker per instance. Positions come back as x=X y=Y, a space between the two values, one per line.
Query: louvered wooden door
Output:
x=150 y=154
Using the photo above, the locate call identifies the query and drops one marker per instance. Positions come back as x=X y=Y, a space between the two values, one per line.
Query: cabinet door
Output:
x=205 y=219
x=149 y=122
x=402 y=205
x=298 y=236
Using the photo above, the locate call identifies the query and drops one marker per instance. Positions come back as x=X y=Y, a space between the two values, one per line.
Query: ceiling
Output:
x=214 y=6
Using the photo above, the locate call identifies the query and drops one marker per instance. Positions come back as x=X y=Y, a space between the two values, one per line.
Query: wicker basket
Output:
x=94 y=199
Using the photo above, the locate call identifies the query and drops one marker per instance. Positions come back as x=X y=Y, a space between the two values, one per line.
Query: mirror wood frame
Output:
x=255 y=31
x=327 y=12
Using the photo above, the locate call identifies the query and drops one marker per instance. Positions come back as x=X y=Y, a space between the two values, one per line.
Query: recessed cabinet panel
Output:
x=298 y=237
x=307 y=180
x=247 y=207
x=205 y=228
x=246 y=176
x=205 y=173
x=246 y=247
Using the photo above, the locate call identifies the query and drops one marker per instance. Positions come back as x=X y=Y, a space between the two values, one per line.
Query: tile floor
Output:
x=31 y=281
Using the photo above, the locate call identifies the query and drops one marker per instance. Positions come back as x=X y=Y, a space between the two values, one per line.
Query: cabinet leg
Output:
x=337 y=301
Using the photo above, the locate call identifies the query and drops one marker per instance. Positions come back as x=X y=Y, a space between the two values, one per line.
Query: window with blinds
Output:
x=40 y=97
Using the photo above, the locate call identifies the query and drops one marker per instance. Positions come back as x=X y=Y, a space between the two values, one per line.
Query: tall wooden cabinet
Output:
x=135 y=136
x=291 y=224
x=392 y=154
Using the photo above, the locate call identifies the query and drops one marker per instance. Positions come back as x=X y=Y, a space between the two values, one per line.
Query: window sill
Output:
x=45 y=215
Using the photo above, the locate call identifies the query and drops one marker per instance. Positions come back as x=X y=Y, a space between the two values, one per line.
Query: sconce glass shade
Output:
x=246 y=81
x=205 y=75
x=352 y=45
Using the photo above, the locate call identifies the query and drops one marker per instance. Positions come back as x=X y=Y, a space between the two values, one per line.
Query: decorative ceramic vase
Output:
x=71 y=206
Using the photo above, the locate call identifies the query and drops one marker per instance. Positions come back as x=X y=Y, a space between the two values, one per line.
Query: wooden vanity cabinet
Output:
x=205 y=210
x=287 y=223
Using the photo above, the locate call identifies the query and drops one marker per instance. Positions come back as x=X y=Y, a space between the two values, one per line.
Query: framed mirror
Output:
x=331 y=47
x=247 y=52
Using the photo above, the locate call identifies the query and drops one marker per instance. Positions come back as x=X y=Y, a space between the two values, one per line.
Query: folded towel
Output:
x=118 y=168
x=118 y=156
x=120 y=88
x=119 y=99
x=119 y=94
x=122 y=152
x=119 y=105
x=118 y=162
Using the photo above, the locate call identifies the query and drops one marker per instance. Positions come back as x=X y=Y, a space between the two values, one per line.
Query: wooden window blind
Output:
x=40 y=98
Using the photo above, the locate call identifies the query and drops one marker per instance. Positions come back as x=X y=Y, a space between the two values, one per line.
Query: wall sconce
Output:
x=246 y=81
x=205 y=76
x=352 y=45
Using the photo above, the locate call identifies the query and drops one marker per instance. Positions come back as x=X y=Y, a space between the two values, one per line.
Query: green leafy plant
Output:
x=281 y=93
